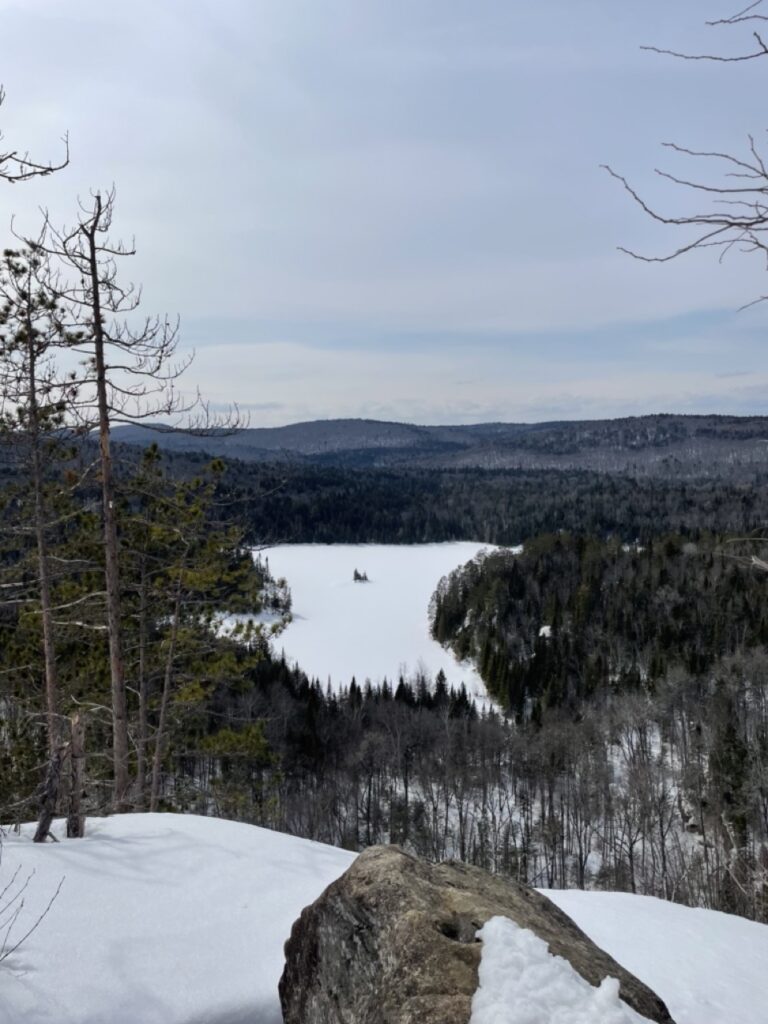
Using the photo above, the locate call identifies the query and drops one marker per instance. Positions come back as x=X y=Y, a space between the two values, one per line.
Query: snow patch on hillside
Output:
x=342 y=629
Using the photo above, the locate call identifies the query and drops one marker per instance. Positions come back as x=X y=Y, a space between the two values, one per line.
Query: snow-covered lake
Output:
x=372 y=630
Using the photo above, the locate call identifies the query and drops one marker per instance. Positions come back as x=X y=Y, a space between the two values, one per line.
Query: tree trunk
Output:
x=75 y=817
x=50 y=788
x=49 y=654
x=111 y=544
x=49 y=794
x=143 y=744
x=164 y=701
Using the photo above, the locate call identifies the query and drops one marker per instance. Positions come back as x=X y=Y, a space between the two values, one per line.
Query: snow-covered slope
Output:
x=371 y=630
x=710 y=968
x=161 y=919
x=165 y=919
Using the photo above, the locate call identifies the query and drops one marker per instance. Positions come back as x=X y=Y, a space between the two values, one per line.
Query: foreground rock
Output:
x=393 y=942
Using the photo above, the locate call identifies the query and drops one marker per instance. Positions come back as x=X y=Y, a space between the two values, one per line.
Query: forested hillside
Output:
x=658 y=445
x=304 y=504
x=664 y=795
x=641 y=670
x=573 y=616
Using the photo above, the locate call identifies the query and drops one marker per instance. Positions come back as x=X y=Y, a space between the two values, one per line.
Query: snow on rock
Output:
x=708 y=967
x=161 y=919
x=521 y=982
x=340 y=629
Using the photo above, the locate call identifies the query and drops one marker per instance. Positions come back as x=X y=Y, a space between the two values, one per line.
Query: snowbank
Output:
x=161 y=919
x=170 y=919
x=708 y=967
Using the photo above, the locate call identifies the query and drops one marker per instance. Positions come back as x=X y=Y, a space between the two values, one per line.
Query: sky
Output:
x=395 y=209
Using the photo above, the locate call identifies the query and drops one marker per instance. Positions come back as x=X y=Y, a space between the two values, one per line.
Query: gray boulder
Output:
x=393 y=942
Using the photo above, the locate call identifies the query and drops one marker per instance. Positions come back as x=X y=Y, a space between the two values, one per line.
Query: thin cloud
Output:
x=396 y=206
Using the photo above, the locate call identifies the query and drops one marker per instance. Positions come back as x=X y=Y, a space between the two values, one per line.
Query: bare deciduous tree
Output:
x=735 y=218
x=16 y=166
x=12 y=898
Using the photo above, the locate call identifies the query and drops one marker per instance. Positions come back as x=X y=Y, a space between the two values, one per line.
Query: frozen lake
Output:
x=371 y=630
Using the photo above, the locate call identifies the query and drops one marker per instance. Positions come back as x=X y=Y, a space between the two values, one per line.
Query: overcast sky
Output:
x=394 y=208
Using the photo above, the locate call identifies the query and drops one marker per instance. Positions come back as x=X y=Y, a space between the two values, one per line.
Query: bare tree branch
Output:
x=737 y=218
x=746 y=15
x=15 y=166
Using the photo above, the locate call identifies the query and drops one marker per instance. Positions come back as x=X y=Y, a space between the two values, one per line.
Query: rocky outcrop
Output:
x=393 y=941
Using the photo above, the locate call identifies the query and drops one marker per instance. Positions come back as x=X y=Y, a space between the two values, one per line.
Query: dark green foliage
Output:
x=298 y=504
x=573 y=616
x=180 y=564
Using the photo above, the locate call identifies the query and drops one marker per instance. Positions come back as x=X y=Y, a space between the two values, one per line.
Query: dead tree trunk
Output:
x=49 y=795
x=75 y=817
x=111 y=544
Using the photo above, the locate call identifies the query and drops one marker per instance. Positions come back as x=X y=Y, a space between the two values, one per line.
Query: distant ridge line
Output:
x=602 y=444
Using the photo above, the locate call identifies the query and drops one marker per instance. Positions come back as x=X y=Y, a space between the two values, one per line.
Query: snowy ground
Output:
x=709 y=968
x=371 y=630
x=169 y=919
x=161 y=919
